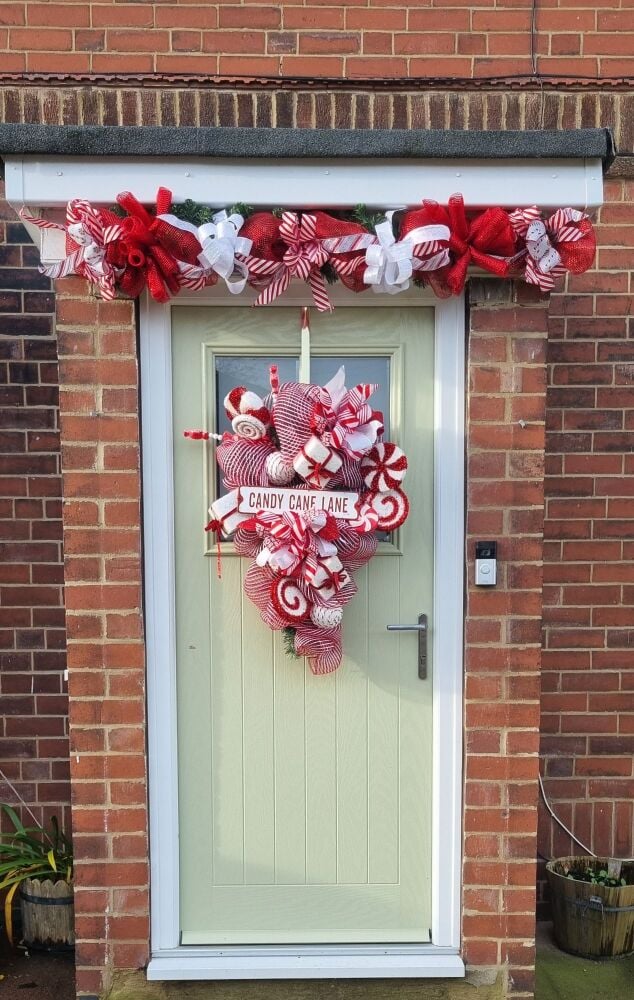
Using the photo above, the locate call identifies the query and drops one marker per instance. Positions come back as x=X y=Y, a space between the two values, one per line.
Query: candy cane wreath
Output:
x=302 y=453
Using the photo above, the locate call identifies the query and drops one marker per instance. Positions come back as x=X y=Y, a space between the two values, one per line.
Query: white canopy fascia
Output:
x=45 y=183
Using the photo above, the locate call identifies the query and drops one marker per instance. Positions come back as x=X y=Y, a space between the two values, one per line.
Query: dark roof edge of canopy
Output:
x=278 y=143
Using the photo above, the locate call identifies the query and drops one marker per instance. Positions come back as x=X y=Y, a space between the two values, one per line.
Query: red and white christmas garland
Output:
x=432 y=244
x=309 y=483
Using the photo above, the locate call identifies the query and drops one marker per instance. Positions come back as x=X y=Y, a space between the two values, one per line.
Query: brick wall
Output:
x=33 y=700
x=102 y=544
x=589 y=344
x=588 y=678
x=505 y=500
x=360 y=38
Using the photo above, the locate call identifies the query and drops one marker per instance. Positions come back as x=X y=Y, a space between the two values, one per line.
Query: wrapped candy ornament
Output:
x=248 y=415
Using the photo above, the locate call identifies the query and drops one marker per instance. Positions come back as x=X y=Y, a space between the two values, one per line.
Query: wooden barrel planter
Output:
x=48 y=913
x=594 y=921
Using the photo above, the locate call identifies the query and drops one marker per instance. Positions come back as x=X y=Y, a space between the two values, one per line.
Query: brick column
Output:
x=505 y=501
x=102 y=546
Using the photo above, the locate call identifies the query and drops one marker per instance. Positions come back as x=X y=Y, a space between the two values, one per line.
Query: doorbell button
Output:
x=486 y=564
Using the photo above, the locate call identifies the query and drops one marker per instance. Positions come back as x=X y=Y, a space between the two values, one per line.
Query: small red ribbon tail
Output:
x=132 y=282
x=156 y=284
x=457 y=273
x=214 y=526
x=496 y=265
x=458 y=222
x=163 y=201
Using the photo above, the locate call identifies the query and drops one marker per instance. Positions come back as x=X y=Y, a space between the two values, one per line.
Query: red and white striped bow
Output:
x=302 y=259
x=543 y=242
x=87 y=238
x=291 y=538
x=344 y=419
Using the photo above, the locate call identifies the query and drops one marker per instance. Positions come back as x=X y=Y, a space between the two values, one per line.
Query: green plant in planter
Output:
x=596 y=874
x=31 y=852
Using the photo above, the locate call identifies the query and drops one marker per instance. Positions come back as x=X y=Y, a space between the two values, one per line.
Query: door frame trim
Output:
x=440 y=958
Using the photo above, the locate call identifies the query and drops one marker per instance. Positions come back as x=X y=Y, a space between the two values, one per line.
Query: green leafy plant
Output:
x=597 y=875
x=31 y=852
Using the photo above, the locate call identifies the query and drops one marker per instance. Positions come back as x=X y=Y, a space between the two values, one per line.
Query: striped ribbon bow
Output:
x=344 y=419
x=291 y=539
x=303 y=257
x=87 y=240
x=544 y=261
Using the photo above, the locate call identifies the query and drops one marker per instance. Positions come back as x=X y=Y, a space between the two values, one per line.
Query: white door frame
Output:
x=169 y=959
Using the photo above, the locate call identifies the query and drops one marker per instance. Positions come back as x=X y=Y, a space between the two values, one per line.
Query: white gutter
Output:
x=48 y=182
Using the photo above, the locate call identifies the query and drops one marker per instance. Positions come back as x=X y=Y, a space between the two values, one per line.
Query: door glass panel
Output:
x=358 y=369
x=251 y=371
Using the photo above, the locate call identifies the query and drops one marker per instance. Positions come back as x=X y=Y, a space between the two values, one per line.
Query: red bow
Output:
x=150 y=248
x=486 y=241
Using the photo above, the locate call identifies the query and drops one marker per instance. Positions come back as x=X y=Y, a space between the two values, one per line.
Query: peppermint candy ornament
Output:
x=367 y=520
x=392 y=507
x=324 y=617
x=248 y=415
x=280 y=473
x=384 y=467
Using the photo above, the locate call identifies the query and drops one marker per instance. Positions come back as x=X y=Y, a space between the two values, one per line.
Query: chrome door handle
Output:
x=421 y=628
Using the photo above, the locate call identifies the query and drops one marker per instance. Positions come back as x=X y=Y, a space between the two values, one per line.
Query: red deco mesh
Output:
x=328 y=228
x=257 y=586
x=355 y=550
x=578 y=256
x=263 y=229
x=321 y=646
x=431 y=214
x=349 y=476
x=291 y=415
x=243 y=462
x=246 y=543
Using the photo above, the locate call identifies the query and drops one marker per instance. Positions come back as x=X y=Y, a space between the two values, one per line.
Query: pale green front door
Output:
x=304 y=801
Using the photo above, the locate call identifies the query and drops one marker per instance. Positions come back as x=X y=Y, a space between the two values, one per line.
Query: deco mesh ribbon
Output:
x=307 y=437
x=430 y=244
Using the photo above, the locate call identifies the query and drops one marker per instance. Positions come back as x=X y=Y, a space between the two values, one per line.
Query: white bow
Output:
x=390 y=265
x=91 y=260
x=220 y=243
x=93 y=254
x=540 y=248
